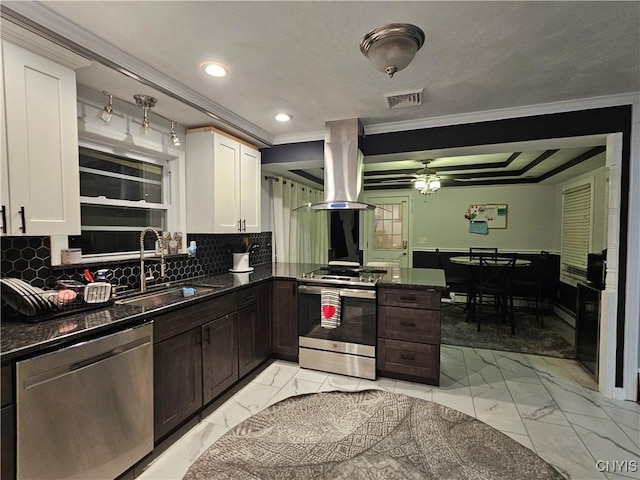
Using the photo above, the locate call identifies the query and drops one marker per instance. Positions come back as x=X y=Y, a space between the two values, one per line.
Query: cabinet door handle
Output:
x=409 y=298
x=244 y=224
x=239 y=225
x=24 y=226
x=4 y=219
x=207 y=332
x=407 y=357
x=248 y=298
x=407 y=324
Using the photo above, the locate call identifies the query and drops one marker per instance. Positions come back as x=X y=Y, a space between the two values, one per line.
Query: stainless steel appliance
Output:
x=348 y=348
x=86 y=411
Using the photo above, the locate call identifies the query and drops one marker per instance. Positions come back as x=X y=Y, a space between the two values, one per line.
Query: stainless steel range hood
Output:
x=343 y=168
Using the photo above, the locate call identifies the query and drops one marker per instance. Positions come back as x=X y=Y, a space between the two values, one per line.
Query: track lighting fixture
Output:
x=106 y=113
x=146 y=103
x=174 y=135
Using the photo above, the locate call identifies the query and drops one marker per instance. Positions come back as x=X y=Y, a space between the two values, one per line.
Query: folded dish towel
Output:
x=329 y=308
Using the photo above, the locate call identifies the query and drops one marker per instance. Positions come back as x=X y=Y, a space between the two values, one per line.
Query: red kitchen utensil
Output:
x=87 y=275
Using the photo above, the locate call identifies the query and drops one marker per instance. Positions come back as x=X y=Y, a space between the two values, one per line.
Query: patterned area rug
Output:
x=370 y=434
x=530 y=336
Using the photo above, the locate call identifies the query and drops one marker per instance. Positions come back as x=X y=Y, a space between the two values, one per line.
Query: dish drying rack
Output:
x=32 y=304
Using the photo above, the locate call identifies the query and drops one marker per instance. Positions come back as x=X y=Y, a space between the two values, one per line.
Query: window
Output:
x=387 y=228
x=576 y=231
x=119 y=196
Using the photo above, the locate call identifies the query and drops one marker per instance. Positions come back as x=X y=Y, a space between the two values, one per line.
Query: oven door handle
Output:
x=344 y=292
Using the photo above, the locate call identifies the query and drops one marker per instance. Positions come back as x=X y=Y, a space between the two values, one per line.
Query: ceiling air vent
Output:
x=411 y=98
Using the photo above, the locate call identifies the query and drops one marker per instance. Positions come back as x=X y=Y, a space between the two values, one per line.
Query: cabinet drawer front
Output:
x=173 y=323
x=247 y=296
x=410 y=298
x=409 y=324
x=408 y=358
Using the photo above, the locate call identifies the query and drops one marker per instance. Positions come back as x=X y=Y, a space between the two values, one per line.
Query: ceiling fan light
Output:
x=434 y=184
x=420 y=184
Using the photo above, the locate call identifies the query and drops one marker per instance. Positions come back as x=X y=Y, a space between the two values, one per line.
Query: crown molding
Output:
x=17 y=35
x=298 y=137
x=503 y=113
x=37 y=17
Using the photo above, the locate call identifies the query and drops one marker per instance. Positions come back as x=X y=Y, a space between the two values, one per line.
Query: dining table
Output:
x=496 y=261
x=474 y=263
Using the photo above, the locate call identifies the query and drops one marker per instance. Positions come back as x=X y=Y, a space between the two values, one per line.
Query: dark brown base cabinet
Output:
x=219 y=356
x=254 y=327
x=409 y=334
x=7 y=426
x=285 y=320
x=202 y=350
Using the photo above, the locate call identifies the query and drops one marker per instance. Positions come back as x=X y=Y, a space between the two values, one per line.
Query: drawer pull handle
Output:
x=407 y=357
x=407 y=324
x=24 y=224
x=409 y=298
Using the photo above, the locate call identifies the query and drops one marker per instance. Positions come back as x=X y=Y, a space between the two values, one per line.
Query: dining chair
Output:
x=474 y=252
x=455 y=283
x=495 y=280
x=532 y=288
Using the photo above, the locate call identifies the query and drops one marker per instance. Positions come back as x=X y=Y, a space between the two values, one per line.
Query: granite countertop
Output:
x=18 y=339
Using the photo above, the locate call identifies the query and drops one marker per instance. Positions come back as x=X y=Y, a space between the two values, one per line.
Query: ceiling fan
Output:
x=427 y=180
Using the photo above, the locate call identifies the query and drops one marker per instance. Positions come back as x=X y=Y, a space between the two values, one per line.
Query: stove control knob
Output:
x=361 y=278
x=371 y=279
x=311 y=275
x=304 y=275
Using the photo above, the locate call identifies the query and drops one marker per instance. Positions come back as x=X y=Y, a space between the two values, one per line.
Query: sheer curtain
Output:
x=298 y=237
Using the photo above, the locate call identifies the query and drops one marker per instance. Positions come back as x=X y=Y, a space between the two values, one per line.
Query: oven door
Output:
x=357 y=326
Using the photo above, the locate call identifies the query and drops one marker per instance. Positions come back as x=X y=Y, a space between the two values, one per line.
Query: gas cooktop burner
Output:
x=344 y=275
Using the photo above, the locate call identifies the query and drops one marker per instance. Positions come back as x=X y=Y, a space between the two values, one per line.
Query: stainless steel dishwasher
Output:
x=86 y=411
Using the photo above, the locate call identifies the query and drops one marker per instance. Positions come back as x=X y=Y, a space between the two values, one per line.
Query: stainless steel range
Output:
x=337 y=319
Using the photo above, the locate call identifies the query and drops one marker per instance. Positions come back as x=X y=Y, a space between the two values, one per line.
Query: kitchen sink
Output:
x=156 y=299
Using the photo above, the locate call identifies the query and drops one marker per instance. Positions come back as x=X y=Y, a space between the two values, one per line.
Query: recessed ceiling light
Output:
x=283 y=117
x=215 y=69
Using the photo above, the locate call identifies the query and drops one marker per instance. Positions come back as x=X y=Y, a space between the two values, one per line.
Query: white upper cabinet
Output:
x=223 y=184
x=40 y=176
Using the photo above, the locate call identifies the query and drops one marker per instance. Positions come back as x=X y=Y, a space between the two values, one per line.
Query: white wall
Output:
x=531 y=213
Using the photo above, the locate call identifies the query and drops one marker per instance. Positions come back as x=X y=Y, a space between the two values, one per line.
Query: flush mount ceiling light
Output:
x=146 y=103
x=174 y=135
x=427 y=181
x=215 y=69
x=105 y=114
x=283 y=117
x=391 y=48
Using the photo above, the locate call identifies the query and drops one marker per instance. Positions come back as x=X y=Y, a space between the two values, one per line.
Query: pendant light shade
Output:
x=391 y=48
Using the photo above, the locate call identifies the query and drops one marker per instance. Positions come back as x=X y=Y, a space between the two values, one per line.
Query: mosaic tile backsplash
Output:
x=28 y=258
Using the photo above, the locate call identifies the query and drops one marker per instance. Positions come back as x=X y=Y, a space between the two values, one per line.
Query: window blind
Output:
x=576 y=230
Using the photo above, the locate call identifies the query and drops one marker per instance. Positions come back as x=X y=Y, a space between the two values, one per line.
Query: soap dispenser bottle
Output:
x=192 y=248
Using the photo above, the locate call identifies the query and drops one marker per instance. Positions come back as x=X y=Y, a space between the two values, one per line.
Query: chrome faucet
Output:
x=143 y=276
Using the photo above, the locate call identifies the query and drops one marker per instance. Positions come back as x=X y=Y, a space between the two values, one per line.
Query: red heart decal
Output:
x=328 y=311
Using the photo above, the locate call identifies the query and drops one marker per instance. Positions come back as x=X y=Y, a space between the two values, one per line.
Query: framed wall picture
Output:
x=495 y=214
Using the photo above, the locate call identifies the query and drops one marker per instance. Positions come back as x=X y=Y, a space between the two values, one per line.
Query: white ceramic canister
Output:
x=240 y=262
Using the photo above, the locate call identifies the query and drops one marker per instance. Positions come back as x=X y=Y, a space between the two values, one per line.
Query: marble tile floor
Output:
x=550 y=405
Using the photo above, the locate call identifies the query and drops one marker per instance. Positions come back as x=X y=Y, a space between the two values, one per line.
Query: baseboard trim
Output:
x=564 y=314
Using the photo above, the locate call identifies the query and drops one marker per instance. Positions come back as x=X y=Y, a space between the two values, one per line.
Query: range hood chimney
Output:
x=343 y=168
